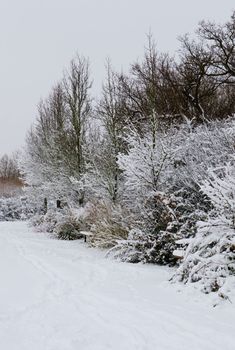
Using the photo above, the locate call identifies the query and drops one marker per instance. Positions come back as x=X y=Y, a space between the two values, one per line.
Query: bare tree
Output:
x=197 y=87
x=219 y=42
x=207 y=70
x=76 y=85
x=110 y=112
x=153 y=97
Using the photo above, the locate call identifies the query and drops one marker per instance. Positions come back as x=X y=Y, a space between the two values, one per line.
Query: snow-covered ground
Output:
x=57 y=295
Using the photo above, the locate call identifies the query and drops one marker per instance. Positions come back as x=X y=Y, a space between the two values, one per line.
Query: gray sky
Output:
x=39 y=37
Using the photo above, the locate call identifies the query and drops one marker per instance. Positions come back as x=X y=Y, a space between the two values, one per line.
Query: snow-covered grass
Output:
x=62 y=295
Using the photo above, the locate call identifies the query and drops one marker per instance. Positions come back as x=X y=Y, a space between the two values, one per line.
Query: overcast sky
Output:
x=39 y=37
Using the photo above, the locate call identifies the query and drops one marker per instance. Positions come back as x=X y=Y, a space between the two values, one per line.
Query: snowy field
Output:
x=57 y=295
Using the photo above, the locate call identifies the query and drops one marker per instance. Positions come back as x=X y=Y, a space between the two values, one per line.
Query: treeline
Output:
x=11 y=185
x=142 y=164
x=9 y=170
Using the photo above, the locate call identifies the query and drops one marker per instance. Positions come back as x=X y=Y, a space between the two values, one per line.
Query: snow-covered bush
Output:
x=157 y=242
x=148 y=172
x=47 y=222
x=107 y=222
x=162 y=177
x=69 y=227
x=220 y=188
x=144 y=168
x=15 y=208
x=191 y=206
x=146 y=248
x=64 y=224
x=210 y=255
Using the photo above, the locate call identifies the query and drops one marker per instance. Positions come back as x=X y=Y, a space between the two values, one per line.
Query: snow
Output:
x=60 y=295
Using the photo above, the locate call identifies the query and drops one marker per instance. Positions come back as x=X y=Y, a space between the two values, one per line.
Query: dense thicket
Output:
x=141 y=167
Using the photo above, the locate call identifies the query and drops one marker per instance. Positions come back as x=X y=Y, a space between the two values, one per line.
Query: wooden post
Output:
x=45 y=205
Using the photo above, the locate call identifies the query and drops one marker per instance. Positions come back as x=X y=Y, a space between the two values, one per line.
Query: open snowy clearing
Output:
x=61 y=295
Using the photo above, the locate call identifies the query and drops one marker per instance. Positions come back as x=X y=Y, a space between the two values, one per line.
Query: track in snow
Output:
x=57 y=295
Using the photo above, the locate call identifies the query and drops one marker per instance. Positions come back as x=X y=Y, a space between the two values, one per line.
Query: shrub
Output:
x=15 y=208
x=47 y=222
x=146 y=248
x=210 y=257
x=69 y=228
x=64 y=224
x=107 y=222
